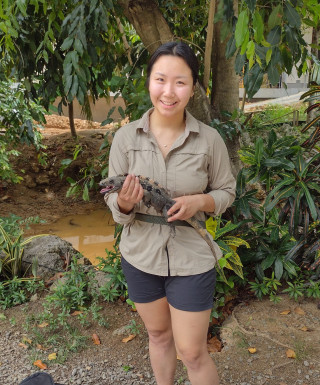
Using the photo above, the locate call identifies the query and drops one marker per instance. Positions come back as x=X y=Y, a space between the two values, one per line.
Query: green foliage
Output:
x=268 y=158
x=298 y=191
x=11 y=251
x=18 y=115
x=268 y=286
x=227 y=243
x=111 y=265
x=266 y=38
x=17 y=291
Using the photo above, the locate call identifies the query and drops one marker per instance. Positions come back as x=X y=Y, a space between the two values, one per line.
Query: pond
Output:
x=90 y=233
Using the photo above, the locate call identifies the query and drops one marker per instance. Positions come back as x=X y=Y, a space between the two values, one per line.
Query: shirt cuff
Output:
x=118 y=216
x=222 y=200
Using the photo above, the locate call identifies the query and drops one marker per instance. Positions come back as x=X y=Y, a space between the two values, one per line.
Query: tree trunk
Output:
x=71 y=120
x=225 y=90
x=148 y=22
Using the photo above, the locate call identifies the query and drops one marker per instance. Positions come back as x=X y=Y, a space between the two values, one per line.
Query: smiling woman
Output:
x=171 y=275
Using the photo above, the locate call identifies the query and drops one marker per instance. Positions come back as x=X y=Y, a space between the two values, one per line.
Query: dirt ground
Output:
x=262 y=343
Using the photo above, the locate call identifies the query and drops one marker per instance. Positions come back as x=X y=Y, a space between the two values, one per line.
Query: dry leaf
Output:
x=96 y=339
x=76 y=312
x=24 y=346
x=43 y=325
x=40 y=364
x=252 y=350
x=304 y=329
x=52 y=356
x=40 y=347
x=27 y=340
x=214 y=345
x=285 y=312
x=300 y=311
x=129 y=338
x=290 y=353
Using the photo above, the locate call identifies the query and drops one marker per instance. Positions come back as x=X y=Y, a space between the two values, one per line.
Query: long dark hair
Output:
x=179 y=49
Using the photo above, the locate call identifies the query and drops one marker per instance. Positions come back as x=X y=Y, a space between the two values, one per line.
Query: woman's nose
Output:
x=169 y=89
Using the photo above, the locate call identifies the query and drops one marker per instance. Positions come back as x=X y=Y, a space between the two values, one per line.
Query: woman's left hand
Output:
x=187 y=206
x=184 y=208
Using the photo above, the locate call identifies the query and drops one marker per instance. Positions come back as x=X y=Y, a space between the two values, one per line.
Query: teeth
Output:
x=168 y=104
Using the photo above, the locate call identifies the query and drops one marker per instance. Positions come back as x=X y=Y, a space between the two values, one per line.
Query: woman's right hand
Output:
x=130 y=194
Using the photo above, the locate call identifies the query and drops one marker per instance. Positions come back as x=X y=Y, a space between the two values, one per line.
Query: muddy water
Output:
x=90 y=233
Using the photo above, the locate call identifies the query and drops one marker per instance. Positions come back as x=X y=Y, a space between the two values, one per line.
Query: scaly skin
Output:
x=157 y=197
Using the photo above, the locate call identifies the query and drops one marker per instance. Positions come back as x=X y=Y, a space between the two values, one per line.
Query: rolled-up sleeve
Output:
x=222 y=183
x=118 y=165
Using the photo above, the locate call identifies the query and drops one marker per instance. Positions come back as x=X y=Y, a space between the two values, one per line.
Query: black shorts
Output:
x=188 y=293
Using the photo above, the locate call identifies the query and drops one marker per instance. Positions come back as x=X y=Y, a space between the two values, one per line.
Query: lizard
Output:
x=159 y=198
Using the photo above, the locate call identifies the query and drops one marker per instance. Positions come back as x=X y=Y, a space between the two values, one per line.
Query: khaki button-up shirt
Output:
x=198 y=162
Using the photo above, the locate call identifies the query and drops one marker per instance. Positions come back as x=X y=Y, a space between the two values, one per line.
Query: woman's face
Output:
x=170 y=85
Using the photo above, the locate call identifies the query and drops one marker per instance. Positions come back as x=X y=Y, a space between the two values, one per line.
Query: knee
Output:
x=160 y=337
x=192 y=357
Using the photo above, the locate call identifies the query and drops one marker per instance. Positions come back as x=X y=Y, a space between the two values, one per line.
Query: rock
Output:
x=29 y=182
x=51 y=254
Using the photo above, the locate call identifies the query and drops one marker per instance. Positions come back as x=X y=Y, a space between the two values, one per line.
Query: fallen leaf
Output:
x=129 y=338
x=285 y=312
x=2 y=317
x=96 y=339
x=291 y=353
x=214 y=345
x=76 y=312
x=304 y=329
x=299 y=311
x=24 y=346
x=252 y=350
x=27 y=340
x=43 y=325
x=52 y=356
x=40 y=364
x=40 y=347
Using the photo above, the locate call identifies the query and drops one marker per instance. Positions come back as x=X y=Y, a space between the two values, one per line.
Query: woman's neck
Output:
x=161 y=123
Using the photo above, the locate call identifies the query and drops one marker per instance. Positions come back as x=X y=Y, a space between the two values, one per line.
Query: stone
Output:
x=51 y=254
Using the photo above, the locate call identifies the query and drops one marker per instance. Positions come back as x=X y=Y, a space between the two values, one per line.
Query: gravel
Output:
x=15 y=365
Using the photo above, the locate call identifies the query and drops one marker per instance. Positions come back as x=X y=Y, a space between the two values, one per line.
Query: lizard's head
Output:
x=112 y=184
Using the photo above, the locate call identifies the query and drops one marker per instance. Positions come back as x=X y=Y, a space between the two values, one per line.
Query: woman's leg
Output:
x=163 y=356
x=190 y=331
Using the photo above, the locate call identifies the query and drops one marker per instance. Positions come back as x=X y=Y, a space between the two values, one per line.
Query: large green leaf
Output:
x=258 y=26
x=278 y=268
x=275 y=17
x=285 y=193
x=241 y=28
x=291 y=15
x=253 y=80
x=312 y=207
x=251 y=4
x=274 y=35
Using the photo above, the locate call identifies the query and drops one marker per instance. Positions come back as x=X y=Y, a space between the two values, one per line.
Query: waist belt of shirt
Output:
x=162 y=220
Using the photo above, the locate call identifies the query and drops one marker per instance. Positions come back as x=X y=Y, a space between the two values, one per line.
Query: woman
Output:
x=171 y=275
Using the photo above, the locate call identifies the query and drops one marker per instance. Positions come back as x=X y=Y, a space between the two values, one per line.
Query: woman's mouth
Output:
x=168 y=104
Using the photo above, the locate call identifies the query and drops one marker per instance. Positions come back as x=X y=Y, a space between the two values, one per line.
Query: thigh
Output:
x=155 y=315
x=190 y=330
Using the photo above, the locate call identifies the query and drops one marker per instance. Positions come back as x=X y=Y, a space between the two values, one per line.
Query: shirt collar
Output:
x=192 y=125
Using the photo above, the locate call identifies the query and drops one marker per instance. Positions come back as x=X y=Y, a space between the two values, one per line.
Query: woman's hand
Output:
x=130 y=194
x=188 y=205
